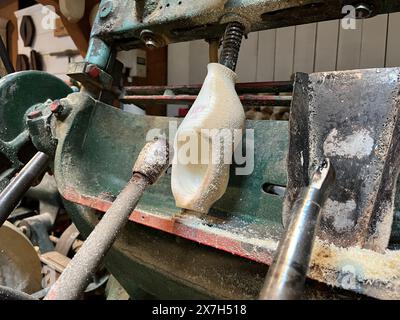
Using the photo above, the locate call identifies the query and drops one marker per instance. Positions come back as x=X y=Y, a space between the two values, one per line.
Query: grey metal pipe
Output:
x=150 y=165
x=287 y=274
x=16 y=189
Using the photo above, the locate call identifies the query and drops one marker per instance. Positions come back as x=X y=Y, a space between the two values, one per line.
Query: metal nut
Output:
x=151 y=40
x=56 y=107
x=363 y=11
x=34 y=114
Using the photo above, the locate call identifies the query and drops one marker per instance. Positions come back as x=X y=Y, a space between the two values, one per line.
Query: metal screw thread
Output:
x=231 y=44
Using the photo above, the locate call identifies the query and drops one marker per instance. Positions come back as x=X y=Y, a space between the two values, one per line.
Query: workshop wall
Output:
x=56 y=52
x=277 y=54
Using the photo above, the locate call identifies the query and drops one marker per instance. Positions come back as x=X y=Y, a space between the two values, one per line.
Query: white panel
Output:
x=246 y=68
x=304 y=48
x=178 y=63
x=393 y=41
x=46 y=43
x=42 y=18
x=373 y=45
x=349 y=47
x=326 y=46
x=284 y=53
x=198 y=60
x=55 y=65
x=178 y=70
x=266 y=55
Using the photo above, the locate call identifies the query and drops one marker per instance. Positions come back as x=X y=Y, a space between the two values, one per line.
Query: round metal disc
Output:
x=20 y=266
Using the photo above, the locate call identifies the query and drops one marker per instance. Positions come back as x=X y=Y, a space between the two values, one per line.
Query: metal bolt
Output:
x=106 y=9
x=363 y=11
x=93 y=71
x=56 y=107
x=34 y=114
x=151 y=40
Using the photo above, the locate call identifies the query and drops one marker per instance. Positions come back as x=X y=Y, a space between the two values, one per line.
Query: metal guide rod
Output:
x=287 y=274
x=16 y=189
x=150 y=165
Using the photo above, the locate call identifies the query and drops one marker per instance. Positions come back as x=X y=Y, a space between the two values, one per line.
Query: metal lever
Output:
x=287 y=274
x=152 y=162
x=16 y=189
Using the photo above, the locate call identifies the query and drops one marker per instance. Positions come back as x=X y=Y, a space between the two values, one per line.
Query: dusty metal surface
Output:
x=19 y=92
x=150 y=263
x=287 y=274
x=352 y=117
x=251 y=229
x=122 y=22
x=150 y=165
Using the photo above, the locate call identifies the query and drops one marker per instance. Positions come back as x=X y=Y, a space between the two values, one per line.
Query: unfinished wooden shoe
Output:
x=200 y=169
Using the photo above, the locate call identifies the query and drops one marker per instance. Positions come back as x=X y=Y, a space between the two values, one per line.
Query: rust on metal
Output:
x=247 y=99
x=241 y=88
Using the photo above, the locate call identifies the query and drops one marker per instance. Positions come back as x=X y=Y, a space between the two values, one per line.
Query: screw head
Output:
x=34 y=114
x=55 y=106
x=151 y=40
x=363 y=11
x=106 y=9
x=93 y=71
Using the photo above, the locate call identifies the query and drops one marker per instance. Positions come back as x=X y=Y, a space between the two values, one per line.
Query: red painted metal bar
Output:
x=179 y=226
x=246 y=99
x=241 y=88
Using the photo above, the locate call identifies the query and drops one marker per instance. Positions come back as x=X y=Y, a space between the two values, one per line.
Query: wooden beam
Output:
x=80 y=31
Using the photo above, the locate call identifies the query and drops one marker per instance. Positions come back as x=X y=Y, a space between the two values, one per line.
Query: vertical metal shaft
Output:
x=5 y=57
x=78 y=274
x=16 y=189
x=231 y=45
x=287 y=274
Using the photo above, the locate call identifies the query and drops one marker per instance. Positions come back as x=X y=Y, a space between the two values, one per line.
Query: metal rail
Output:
x=241 y=88
x=247 y=100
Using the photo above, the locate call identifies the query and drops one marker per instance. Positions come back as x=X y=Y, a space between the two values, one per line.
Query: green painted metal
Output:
x=120 y=22
x=98 y=52
x=99 y=144
x=145 y=260
x=19 y=92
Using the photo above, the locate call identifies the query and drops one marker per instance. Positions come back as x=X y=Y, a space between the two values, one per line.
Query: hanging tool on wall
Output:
x=22 y=63
x=36 y=61
x=287 y=274
x=27 y=30
x=150 y=165
x=5 y=57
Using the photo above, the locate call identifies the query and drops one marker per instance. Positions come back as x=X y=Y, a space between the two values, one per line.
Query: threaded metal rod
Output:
x=231 y=45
